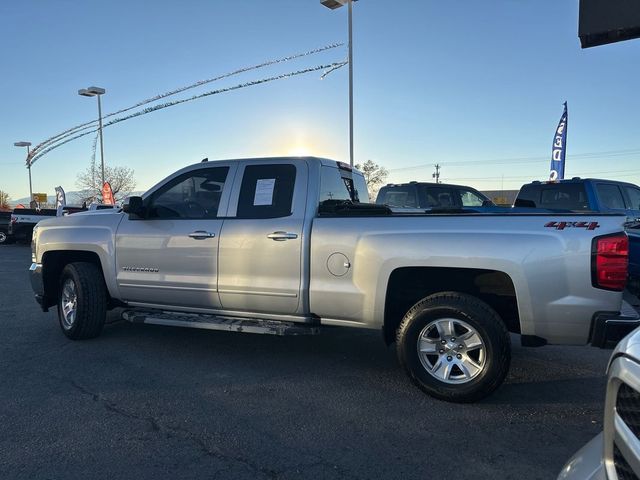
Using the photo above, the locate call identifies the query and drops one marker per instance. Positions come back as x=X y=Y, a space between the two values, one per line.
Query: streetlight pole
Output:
x=97 y=92
x=350 y=83
x=28 y=145
x=333 y=4
x=101 y=144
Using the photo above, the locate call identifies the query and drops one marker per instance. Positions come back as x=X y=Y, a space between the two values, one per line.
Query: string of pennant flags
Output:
x=90 y=127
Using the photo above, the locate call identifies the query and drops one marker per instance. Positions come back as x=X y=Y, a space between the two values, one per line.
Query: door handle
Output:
x=282 y=236
x=201 y=234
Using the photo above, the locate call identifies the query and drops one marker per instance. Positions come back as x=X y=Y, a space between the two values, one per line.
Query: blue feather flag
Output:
x=559 y=148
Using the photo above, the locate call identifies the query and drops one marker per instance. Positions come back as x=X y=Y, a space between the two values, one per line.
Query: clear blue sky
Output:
x=462 y=84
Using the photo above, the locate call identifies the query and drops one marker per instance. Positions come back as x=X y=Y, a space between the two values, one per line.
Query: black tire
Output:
x=90 y=301
x=463 y=309
x=4 y=238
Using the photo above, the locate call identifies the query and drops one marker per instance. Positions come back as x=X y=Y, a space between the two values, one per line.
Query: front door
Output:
x=261 y=241
x=170 y=256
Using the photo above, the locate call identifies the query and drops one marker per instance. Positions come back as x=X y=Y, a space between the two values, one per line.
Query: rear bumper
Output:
x=608 y=328
x=35 y=275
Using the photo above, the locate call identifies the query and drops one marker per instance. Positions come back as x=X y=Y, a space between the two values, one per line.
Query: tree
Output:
x=374 y=175
x=121 y=180
x=4 y=201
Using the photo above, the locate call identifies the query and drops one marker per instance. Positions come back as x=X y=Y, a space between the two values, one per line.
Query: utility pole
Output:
x=436 y=175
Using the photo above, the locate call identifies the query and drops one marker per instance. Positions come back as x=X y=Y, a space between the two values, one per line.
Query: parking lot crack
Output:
x=157 y=426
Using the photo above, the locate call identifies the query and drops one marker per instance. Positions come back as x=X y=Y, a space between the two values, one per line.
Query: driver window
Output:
x=194 y=195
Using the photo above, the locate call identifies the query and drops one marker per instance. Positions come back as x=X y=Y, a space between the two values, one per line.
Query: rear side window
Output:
x=439 y=197
x=398 y=197
x=528 y=196
x=361 y=190
x=610 y=195
x=633 y=194
x=559 y=196
x=334 y=186
x=569 y=196
x=266 y=191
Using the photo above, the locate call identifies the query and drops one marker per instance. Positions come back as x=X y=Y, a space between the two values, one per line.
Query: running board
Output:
x=215 y=322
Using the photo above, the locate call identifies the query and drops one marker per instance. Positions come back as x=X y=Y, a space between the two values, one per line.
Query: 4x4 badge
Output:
x=563 y=225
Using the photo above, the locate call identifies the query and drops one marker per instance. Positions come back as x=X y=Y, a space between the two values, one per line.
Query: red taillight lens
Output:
x=610 y=261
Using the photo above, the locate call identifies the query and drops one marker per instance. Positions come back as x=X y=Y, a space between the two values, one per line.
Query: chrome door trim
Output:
x=162 y=287
x=259 y=292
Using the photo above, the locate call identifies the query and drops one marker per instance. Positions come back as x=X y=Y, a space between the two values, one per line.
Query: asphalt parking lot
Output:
x=151 y=402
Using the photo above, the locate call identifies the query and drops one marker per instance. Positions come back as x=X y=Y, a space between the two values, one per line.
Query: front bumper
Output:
x=587 y=463
x=37 y=284
x=607 y=328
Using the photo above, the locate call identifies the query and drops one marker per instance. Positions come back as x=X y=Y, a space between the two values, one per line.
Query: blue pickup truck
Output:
x=592 y=195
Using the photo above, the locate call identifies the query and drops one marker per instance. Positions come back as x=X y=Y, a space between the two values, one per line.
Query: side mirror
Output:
x=487 y=203
x=134 y=206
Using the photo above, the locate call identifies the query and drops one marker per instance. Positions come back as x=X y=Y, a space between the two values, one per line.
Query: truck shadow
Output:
x=538 y=376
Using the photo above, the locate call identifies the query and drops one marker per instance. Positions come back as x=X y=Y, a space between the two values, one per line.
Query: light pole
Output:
x=27 y=144
x=96 y=92
x=333 y=4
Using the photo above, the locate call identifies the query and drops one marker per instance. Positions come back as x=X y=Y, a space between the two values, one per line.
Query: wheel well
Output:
x=53 y=263
x=409 y=285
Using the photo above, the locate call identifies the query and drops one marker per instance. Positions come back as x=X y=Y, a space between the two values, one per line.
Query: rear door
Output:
x=261 y=239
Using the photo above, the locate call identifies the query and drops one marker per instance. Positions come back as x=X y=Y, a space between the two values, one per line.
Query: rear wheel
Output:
x=454 y=347
x=82 y=301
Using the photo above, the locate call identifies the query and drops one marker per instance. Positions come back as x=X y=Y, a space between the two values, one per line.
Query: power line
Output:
x=525 y=160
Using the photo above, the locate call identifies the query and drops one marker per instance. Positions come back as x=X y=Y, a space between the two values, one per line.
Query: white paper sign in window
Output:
x=264 y=191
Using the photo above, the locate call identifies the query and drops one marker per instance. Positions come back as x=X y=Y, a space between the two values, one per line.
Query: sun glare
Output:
x=299 y=151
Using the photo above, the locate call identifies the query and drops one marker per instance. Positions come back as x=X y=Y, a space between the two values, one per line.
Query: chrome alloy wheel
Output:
x=68 y=303
x=451 y=350
x=3 y=237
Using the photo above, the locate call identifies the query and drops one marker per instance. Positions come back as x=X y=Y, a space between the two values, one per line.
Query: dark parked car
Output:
x=428 y=196
x=24 y=219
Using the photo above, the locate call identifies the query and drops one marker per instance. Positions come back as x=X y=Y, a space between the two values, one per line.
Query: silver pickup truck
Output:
x=286 y=246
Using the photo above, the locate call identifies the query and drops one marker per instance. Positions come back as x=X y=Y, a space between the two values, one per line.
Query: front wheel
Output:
x=4 y=238
x=82 y=301
x=454 y=347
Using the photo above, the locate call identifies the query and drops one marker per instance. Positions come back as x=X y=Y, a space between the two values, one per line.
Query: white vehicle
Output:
x=615 y=453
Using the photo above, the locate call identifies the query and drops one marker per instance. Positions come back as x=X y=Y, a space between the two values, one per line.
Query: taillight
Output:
x=13 y=219
x=610 y=261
